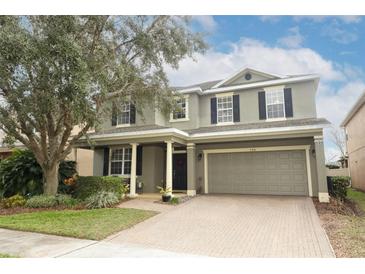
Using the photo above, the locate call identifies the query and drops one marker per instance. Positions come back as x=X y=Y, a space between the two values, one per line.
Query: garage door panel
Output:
x=270 y=172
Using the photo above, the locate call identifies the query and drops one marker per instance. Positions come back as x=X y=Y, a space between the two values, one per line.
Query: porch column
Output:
x=321 y=170
x=132 y=186
x=169 y=164
x=191 y=163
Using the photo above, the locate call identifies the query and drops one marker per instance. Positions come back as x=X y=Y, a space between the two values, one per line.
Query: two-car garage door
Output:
x=263 y=172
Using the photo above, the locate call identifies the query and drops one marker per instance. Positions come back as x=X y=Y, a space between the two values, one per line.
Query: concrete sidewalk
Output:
x=37 y=245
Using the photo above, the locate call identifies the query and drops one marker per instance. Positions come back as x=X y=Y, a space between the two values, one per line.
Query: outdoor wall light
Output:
x=200 y=156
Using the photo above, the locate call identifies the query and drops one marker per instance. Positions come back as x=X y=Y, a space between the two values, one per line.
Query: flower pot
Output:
x=166 y=199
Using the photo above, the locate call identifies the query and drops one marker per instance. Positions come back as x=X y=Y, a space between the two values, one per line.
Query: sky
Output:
x=331 y=46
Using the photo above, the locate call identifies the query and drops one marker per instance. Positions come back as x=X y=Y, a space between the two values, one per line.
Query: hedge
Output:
x=339 y=187
x=87 y=186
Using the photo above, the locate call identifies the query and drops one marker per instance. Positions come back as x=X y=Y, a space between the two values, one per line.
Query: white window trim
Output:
x=125 y=125
x=272 y=89
x=110 y=163
x=229 y=94
x=172 y=120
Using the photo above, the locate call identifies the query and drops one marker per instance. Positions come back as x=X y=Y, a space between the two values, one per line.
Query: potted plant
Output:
x=166 y=193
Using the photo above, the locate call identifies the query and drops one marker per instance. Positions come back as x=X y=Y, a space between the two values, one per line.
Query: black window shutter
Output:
x=114 y=116
x=213 y=110
x=288 y=102
x=132 y=119
x=262 y=105
x=106 y=162
x=139 y=160
x=236 y=108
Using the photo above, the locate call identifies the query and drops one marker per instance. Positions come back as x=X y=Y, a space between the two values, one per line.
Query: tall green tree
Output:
x=58 y=72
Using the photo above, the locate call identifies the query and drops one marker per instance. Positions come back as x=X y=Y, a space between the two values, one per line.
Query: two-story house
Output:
x=251 y=133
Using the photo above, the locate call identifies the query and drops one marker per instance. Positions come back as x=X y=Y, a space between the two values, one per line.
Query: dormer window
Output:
x=181 y=111
x=275 y=106
x=224 y=109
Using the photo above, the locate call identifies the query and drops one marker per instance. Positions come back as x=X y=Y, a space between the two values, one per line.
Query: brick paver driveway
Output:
x=235 y=226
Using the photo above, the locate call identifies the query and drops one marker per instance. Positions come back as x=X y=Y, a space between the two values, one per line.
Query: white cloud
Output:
x=293 y=40
x=334 y=104
x=206 y=21
x=216 y=65
x=270 y=18
x=338 y=34
x=347 y=19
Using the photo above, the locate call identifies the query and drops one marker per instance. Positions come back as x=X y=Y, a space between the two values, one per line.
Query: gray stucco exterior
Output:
x=195 y=134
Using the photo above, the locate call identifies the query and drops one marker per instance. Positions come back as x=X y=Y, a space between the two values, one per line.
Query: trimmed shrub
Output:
x=20 y=173
x=13 y=201
x=66 y=200
x=41 y=201
x=102 y=199
x=87 y=186
x=339 y=187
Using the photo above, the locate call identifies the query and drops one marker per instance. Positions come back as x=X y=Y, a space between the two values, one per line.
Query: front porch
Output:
x=169 y=163
x=163 y=164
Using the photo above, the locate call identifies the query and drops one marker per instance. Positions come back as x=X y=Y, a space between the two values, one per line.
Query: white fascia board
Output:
x=261 y=131
x=145 y=133
x=263 y=84
x=208 y=135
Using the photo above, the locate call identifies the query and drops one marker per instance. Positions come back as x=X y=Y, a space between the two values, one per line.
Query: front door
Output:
x=179 y=172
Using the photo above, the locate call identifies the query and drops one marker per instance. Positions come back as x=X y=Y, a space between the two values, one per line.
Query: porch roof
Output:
x=203 y=134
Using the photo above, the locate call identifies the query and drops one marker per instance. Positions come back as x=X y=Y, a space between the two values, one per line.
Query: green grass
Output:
x=2 y=255
x=357 y=196
x=95 y=224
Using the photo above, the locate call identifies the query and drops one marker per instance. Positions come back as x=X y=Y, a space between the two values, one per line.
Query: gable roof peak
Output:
x=244 y=70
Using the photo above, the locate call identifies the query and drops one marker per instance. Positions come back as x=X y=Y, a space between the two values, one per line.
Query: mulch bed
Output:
x=342 y=222
x=347 y=207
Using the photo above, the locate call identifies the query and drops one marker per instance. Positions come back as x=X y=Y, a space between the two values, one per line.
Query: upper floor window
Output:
x=124 y=115
x=120 y=161
x=181 y=111
x=224 y=109
x=275 y=107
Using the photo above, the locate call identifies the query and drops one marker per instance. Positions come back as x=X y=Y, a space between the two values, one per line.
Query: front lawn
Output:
x=357 y=197
x=93 y=224
x=2 y=255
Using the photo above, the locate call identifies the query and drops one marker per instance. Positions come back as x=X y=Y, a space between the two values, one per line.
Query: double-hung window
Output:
x=275 y=107
x=124 y=115
x=180 y=112
x=224 y=109
x=120 y=161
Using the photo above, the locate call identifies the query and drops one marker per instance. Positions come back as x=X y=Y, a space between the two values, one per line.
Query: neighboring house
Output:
x=83 y=157
x=354 y=125
x=251 y=133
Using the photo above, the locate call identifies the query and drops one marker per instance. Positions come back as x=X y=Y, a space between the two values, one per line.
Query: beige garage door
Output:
x=267 y=172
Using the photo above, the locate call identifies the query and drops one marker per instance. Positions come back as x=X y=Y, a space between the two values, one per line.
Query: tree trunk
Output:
x=50 y=179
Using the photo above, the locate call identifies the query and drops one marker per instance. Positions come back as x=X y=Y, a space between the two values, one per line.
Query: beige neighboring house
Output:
x=250 y=133
x=354 y=125
x=83 y=157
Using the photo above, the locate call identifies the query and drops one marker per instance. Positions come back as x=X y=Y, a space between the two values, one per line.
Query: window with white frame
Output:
x=124 y=115
x=224 y=109
x=120 y=161
x=275 y=104
x=181 y=109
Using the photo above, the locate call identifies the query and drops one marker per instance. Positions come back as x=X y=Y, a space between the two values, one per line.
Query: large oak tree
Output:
x=58 y=72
